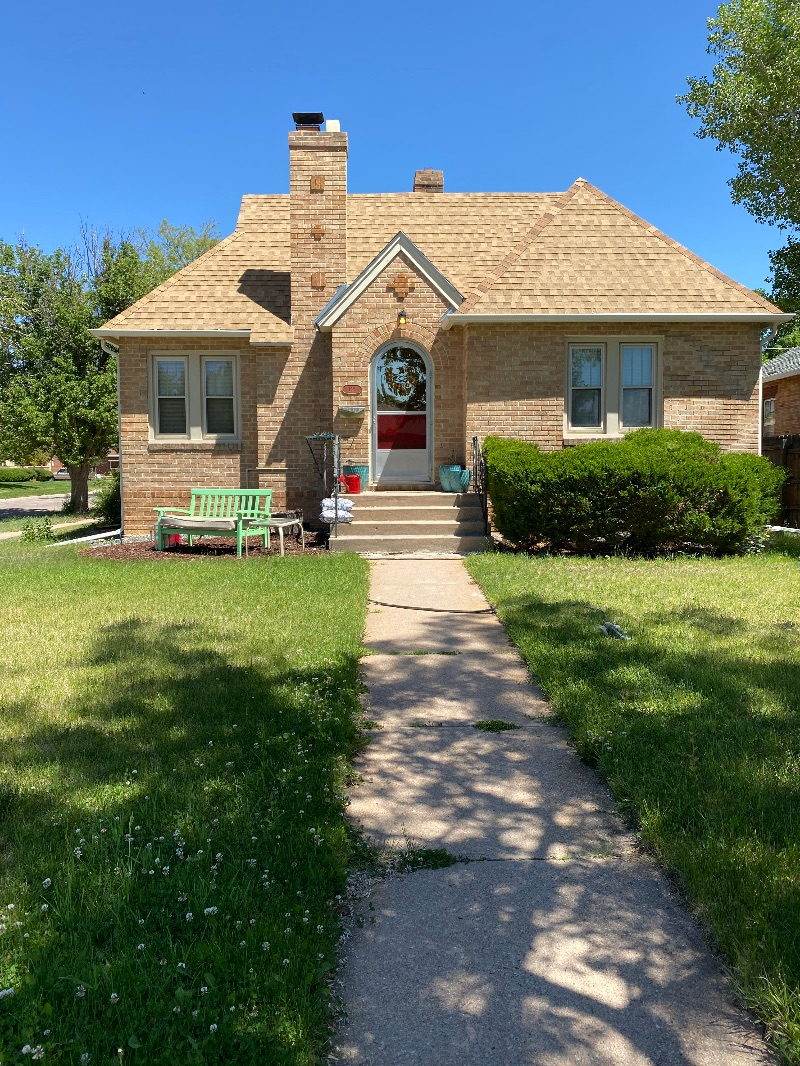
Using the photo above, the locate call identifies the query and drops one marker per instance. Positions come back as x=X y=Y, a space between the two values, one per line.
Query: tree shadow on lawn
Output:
x=701 y=747
x=170 y=735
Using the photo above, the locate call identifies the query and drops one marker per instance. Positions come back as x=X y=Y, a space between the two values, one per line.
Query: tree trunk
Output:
x=79 y=499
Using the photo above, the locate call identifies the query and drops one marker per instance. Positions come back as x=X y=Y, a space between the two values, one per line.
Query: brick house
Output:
x=781 y=395
x=411 y=322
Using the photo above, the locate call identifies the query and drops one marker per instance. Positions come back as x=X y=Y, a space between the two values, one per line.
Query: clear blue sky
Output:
x=124 y=114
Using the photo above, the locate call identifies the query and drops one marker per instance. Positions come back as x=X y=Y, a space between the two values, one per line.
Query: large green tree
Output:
x=751 y=105
x=57 y=385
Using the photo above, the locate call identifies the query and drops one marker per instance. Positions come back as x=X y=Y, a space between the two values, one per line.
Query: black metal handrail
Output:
x=479 y=480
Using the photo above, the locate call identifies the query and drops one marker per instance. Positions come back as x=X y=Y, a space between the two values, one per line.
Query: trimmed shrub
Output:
x=108 y=501
x=43 y=474
x=11 y=475
x=655 y=491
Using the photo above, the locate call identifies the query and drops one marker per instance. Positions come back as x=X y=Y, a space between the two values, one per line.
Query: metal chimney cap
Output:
x=308 y=119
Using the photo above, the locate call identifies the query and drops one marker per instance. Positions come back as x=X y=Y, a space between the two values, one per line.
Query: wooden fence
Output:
x=785 y=452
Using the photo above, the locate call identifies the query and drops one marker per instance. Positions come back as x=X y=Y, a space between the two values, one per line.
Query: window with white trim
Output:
x=194 y=397
x=613 y=386
x=769 y=412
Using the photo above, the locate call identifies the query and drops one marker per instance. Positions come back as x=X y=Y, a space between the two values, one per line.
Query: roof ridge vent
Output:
x=429 y=181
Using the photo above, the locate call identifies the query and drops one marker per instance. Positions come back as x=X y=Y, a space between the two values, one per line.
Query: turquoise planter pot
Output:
x=362 y=471
x=454 y=478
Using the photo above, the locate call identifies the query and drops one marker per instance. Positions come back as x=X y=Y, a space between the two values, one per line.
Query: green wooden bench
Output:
x=218 y=513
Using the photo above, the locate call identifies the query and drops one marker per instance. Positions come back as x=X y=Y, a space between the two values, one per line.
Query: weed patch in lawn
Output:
x=175 y=744
x=695 y=724
x=494 y=725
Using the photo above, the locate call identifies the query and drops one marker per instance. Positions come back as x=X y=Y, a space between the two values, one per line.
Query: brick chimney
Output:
x=429 y=181
x=317 y=214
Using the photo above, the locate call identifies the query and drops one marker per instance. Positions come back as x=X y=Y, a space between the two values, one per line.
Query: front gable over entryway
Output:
x=399 y=245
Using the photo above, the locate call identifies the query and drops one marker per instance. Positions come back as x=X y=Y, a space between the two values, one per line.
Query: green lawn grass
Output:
x=19 y=489
x=695 y=724
x=174 y=742
x=15 y=525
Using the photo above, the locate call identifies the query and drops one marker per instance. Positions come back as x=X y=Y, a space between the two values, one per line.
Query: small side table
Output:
x=282 y=522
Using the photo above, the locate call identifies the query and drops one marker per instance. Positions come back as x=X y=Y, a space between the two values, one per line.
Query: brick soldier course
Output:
x=494 y=287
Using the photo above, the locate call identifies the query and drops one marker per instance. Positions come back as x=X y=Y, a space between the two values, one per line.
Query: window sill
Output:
x=231 y=446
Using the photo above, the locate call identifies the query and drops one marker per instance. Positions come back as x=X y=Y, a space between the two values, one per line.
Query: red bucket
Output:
x=353 y=483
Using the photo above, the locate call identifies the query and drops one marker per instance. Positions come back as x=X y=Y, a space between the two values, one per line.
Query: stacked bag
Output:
x=330 y=512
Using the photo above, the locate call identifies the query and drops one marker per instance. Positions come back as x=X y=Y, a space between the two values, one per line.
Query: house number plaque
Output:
x=351 y=390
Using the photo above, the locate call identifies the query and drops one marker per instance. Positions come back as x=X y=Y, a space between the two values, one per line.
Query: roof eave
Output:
x=189 y=334
x=779 y=377
x=452 y=318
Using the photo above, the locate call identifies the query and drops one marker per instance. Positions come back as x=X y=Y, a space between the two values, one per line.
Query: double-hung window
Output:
x=769 y=412
x=612 y=386
x=194 y=397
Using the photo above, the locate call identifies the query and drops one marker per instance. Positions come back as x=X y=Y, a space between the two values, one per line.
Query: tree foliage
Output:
x=58 y=390
x=786 y=292
x=751 y=103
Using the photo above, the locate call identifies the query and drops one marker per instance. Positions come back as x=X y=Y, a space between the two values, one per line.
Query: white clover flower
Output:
x=45 y=907
x=209 y=911
x=265 y=945
x=140 y=947
x=285 y=962
x=38 y=1052
x=6 y=992
x=114 y=997
x=80 y=992
x=141 y=921
x=46 y=883
x=189 y=917
x=85 y=1057
x=242 y=943
x=176 y=1010
x=2 y=928
x=181 y=965
x=27 y=1049
x=195 y=1013
x=204 y=990
x=212 y=1028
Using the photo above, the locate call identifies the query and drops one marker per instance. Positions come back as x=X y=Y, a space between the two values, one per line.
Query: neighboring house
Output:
x=411 y=322
x=781 y=395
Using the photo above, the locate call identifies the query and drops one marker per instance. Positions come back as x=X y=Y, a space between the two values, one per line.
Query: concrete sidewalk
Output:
x=562 y=945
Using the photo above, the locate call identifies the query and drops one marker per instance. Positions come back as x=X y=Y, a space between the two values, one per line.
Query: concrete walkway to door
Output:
x=559 y=944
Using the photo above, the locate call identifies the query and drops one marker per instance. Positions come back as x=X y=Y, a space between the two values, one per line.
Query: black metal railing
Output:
x=479 y=480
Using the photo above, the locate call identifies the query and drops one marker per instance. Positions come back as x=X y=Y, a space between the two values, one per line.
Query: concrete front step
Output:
x=448 y=544
x=421 y=498
x=401 y=513
x=374 y=527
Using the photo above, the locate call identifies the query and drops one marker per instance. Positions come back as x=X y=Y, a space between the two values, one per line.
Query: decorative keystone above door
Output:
x=402 y=285
x=317 y=231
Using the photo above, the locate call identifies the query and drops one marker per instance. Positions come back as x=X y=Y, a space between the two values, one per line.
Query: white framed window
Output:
x=613 y=385
x=769 y=412
x=194 y=396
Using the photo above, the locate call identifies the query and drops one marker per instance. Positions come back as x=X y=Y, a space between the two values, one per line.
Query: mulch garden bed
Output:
x=221 y=547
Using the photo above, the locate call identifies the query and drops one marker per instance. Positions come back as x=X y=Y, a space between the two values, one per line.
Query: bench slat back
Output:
x=227 y=503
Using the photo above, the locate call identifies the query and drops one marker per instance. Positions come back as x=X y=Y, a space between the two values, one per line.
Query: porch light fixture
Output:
x=401 y=318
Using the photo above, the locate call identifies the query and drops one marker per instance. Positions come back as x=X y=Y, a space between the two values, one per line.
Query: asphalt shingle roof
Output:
x=786 y=363
x=572 y=252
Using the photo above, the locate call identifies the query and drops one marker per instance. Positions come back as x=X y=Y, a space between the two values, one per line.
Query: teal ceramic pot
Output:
x=450 y=477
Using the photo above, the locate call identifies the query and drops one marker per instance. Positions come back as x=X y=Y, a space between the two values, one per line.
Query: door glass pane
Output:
x=587 y=366
x=586 y=407
x=401 y=382
x=402 y=431
x=637 y=407
x=637 y=365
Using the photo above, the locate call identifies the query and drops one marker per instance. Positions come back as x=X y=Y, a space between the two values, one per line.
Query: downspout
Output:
x=113 y=351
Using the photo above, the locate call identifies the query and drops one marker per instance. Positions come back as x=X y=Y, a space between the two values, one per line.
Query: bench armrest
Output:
x=171 y=510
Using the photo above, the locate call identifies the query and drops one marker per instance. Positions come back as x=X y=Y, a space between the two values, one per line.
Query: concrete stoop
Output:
x=405 y=522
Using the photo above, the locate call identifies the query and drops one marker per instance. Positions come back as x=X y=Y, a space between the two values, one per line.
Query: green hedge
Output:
x=12 y=474
x=43 y=474
x=655 y=491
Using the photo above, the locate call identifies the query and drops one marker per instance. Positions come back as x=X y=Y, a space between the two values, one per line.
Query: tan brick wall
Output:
x=787 y=405
x=516 y=378
x=160 y=474
x=372 y=322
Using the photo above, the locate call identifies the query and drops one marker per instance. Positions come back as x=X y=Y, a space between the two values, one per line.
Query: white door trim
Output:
x=427 y=478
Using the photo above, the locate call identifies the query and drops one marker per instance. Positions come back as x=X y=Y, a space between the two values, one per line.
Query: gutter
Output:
x=452 y=318
x=120 y=333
